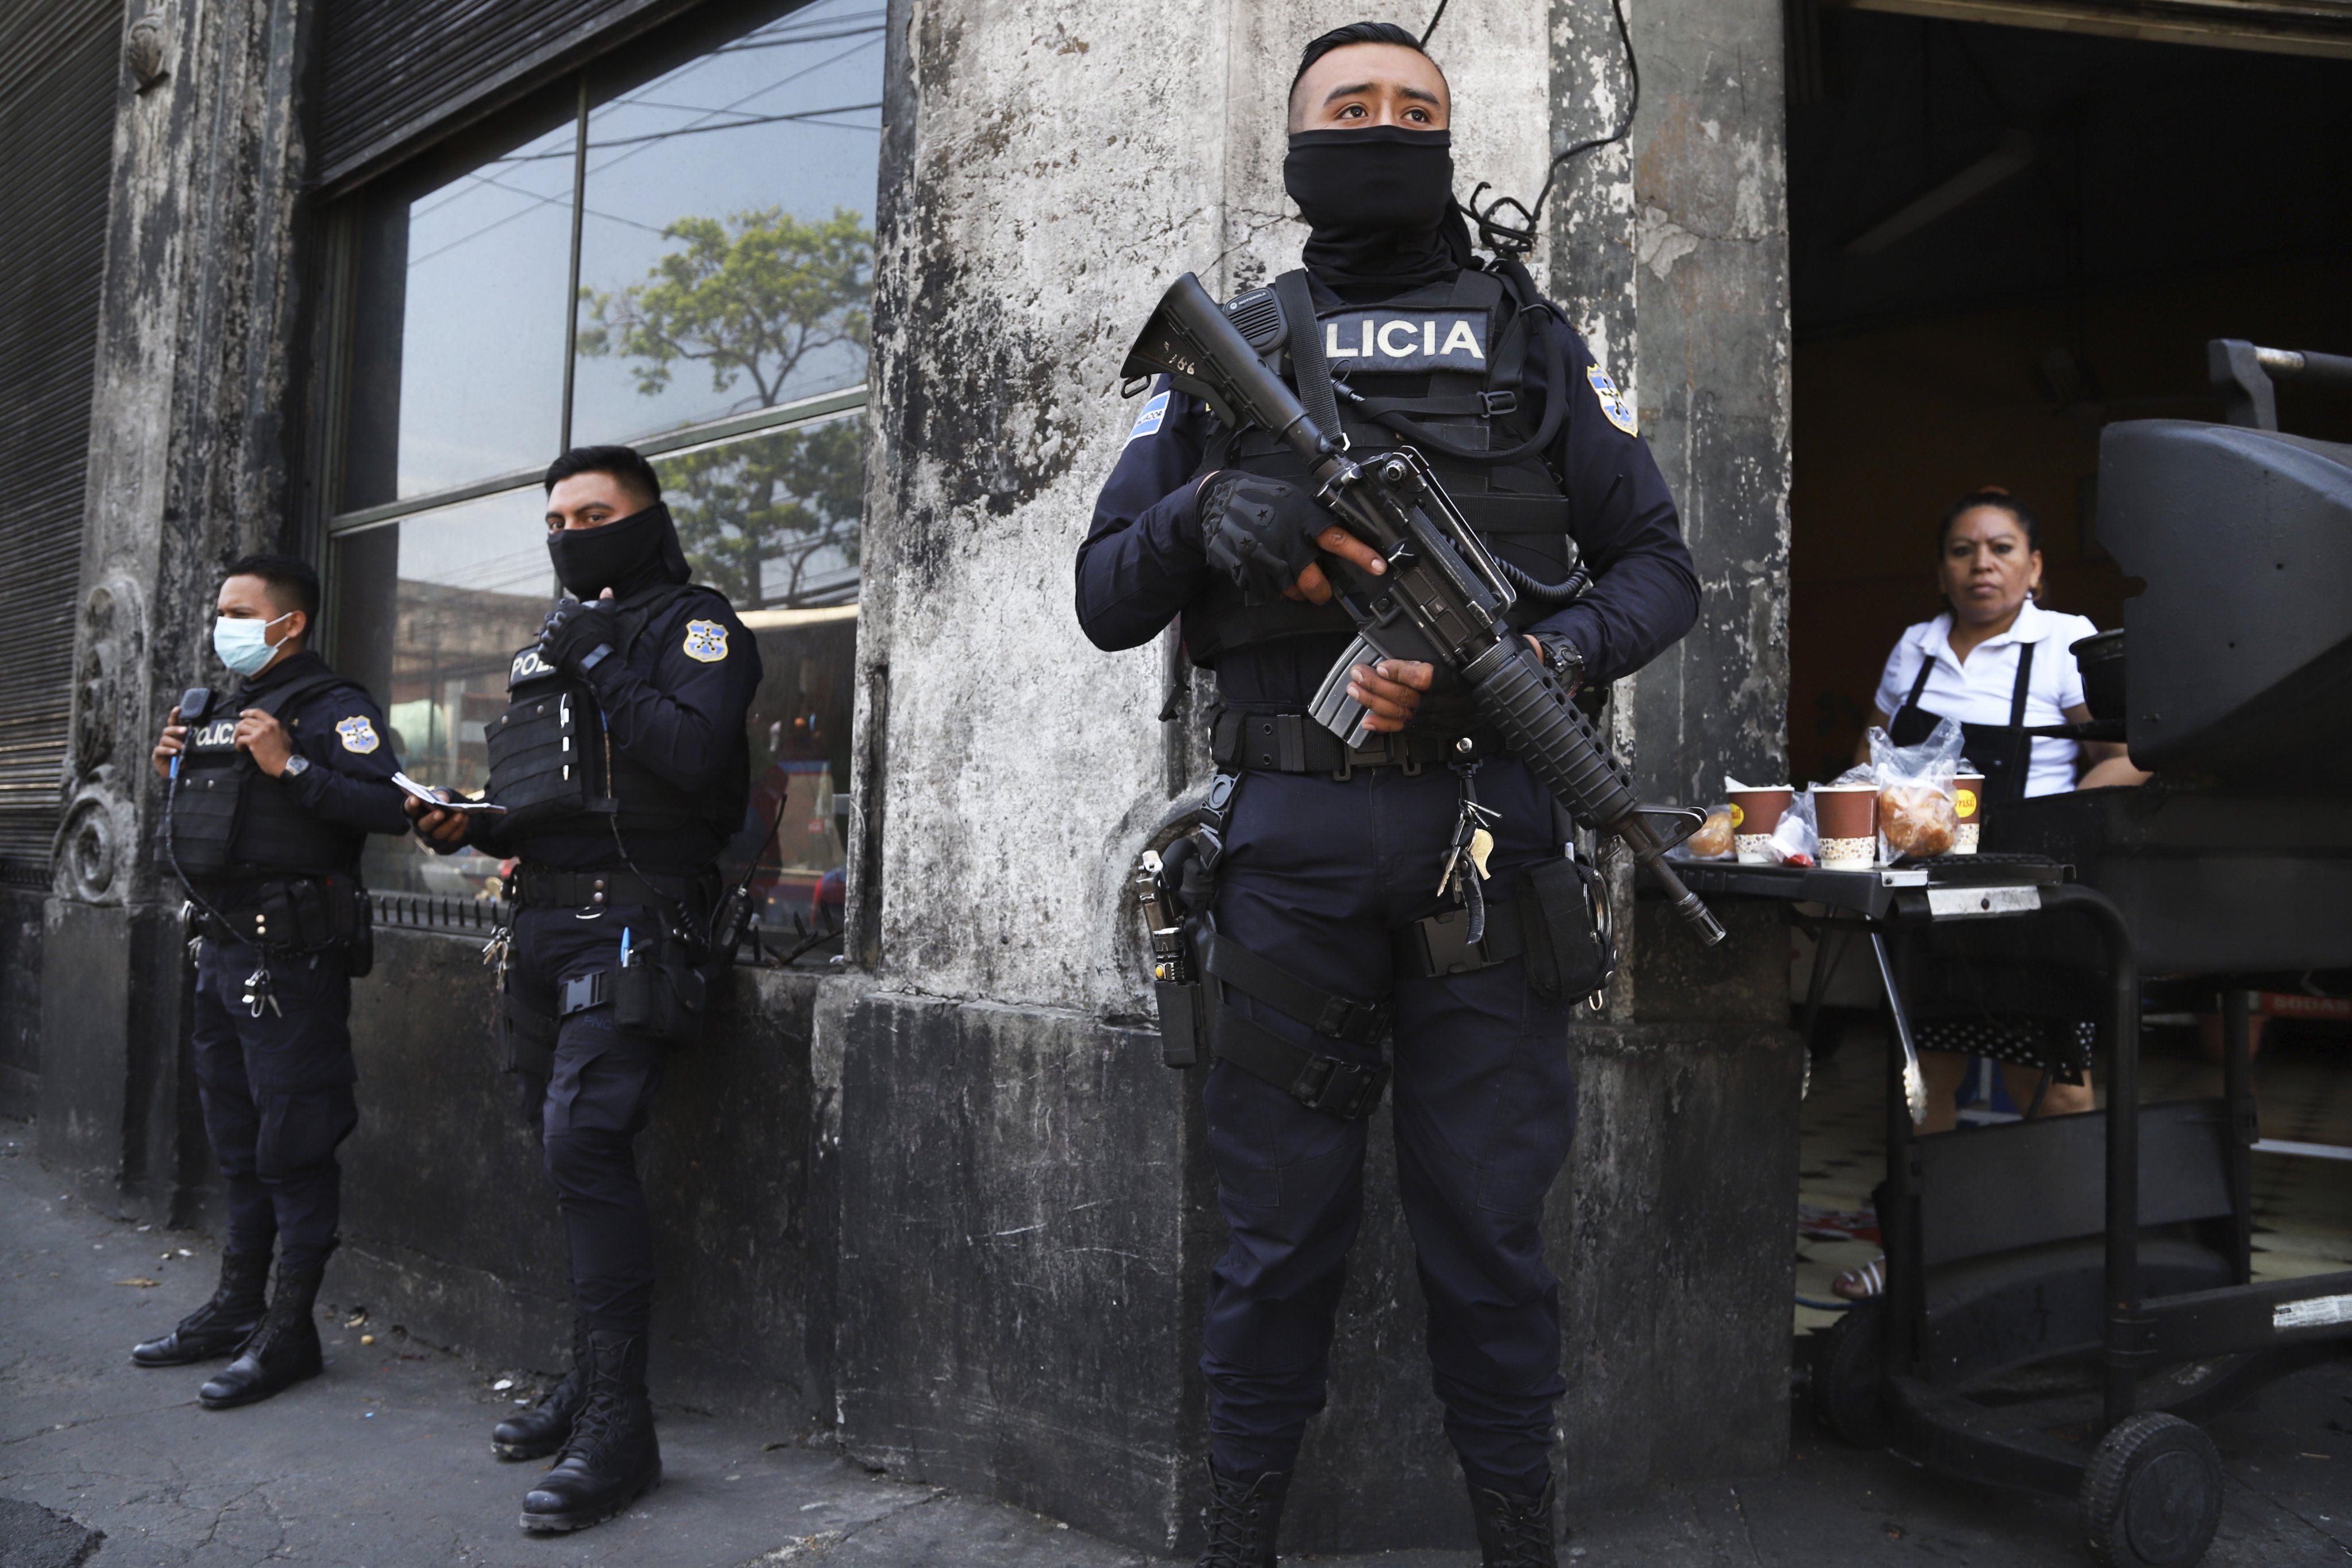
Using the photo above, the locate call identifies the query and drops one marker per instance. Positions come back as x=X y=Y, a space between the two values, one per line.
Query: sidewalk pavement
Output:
x=384 y=1462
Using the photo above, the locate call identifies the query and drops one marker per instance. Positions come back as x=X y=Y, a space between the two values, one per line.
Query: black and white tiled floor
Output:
x=2303 y=1205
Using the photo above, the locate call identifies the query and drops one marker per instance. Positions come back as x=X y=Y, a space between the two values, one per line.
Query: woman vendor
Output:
x=2001 y=665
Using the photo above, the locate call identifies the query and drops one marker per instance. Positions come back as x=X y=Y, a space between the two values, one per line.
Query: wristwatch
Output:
x=1562 y=659
x=295 y=766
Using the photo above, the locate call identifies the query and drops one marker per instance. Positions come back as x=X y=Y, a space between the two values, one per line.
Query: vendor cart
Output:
x=2066 y=1297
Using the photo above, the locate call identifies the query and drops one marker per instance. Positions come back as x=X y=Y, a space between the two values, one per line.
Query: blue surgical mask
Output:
x=241 y=645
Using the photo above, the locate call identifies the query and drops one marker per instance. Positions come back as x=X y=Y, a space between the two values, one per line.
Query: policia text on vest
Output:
x=622 y=768
x=271 y=791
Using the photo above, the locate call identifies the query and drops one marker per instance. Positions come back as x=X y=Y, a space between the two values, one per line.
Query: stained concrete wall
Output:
x=450 y=1225
x=1019 y=771
x=187 y=468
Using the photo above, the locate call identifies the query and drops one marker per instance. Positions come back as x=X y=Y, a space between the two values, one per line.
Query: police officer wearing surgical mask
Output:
x=271 y=791
x=1329 y=878
x=622 y=768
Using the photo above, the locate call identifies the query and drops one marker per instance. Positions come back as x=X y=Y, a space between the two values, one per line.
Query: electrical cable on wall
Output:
x=1517 y=238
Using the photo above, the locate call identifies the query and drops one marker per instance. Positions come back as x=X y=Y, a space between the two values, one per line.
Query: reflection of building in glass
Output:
x=449 y=662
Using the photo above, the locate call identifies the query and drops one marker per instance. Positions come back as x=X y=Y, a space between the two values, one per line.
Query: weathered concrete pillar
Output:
x=1026 y=1218
x=187 y=470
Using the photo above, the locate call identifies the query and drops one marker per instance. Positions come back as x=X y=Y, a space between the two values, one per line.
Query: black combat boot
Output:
x=281 y=1353
x=1514 y=1531
x=612 y=1458
x=221 y=1324
x=542 y=1429
x=1243 y=1520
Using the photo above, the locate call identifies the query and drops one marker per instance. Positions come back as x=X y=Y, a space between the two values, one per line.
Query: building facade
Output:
x=340 y=276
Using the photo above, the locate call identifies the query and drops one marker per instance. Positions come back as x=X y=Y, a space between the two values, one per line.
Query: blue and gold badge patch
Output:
x=358 y=734
x=706 y=641
x=1612 y=402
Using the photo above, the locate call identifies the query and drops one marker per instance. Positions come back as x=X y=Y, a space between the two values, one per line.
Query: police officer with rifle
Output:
x=1396 y=506
x=619 y=771
x=271 y=791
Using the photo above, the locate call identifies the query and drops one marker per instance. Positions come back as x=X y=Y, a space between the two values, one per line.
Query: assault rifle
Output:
x=1444 y=597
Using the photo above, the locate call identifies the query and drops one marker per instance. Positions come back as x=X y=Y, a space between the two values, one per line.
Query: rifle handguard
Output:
x=1552 y=735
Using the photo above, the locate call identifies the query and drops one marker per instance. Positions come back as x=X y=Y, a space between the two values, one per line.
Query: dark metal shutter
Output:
x=392 y=70
x=59 y=72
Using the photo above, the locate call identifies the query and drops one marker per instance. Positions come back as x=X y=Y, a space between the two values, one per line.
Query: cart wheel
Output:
x=1847 y=1377
x=2152 y=1494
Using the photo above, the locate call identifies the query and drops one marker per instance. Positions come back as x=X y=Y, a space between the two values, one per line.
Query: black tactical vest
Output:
x=1450 y=360
x=227 y=819
x=553 y=759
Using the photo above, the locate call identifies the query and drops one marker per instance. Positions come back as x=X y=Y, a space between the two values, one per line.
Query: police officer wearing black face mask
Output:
x=272 y=791
x=1332 y=856
x=623 y=767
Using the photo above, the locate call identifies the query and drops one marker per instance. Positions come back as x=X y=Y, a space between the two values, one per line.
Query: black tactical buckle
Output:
x=1354 y=1023
x=580 y=994
x=1344 y=1090
x=1498 y=403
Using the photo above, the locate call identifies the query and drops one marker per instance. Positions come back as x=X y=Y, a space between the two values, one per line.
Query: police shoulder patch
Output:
x=706 y=641
x=1612 y=402
x=1148 y=422
x=358 y=734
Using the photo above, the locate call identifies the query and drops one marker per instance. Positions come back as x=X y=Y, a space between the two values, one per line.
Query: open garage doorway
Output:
x=2004 y=239
x=2001 y=239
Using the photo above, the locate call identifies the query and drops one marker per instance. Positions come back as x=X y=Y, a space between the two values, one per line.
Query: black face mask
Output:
x=623 y=555
x=1381 y=201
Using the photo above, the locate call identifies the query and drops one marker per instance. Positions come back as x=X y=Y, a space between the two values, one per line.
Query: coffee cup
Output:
x=1846 y=817
x=1967 y=806
x=1755 y=813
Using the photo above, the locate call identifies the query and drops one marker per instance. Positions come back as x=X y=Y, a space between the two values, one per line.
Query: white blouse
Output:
x=1979 y=691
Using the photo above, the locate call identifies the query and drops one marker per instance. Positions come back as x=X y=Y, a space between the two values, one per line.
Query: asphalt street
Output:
x=384 y=1461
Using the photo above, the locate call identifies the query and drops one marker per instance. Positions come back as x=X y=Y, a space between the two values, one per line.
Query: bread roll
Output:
x=1917 y=820
x=1713 y=840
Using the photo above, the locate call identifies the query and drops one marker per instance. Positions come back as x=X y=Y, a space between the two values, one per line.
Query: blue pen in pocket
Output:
x=625 y=947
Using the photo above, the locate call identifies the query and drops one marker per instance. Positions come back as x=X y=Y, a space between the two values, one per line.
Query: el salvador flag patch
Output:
x=1614 y=407
x=1148 y=422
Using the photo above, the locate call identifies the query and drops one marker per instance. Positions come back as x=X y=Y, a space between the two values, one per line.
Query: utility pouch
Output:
x=1184 y=1022
x=662 y=996
x=1567 y=957
x=313 y=927
x=526 y=1035
x=359 y=942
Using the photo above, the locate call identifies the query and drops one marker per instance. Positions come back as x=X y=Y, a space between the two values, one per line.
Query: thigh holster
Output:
x=1336 y=1085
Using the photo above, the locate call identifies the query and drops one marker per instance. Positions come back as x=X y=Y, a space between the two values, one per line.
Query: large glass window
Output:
x=678 y=258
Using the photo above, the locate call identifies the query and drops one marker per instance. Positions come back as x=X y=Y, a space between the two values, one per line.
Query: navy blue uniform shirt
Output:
x=677 y=705
x=1143 y=559
x=342 y=733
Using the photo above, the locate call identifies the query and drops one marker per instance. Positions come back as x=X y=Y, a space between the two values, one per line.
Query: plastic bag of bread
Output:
x=1916 y=818
x=1713 y=841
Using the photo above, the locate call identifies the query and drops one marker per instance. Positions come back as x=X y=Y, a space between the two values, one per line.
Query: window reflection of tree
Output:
x=754 y=298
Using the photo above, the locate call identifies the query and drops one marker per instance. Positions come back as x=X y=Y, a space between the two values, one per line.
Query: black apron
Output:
x=2003 y=754
x=2008 y=989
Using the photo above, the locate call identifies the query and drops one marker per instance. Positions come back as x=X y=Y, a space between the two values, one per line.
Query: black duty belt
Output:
x=1295 y=743
x=543 y=886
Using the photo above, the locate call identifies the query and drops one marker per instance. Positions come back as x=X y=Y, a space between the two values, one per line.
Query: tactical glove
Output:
x=578 y=636
x=1259 y=531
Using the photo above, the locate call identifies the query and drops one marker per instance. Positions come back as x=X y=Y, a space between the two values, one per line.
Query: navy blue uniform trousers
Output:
x=589 y=1111
x=1321 y=876
x=277 y=1096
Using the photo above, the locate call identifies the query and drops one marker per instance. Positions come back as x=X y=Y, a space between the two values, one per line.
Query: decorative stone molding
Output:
x=89 y=853
x=101 y=821
x=144 y=50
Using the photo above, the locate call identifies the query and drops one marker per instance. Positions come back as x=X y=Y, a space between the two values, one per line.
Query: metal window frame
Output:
x=799 y=412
